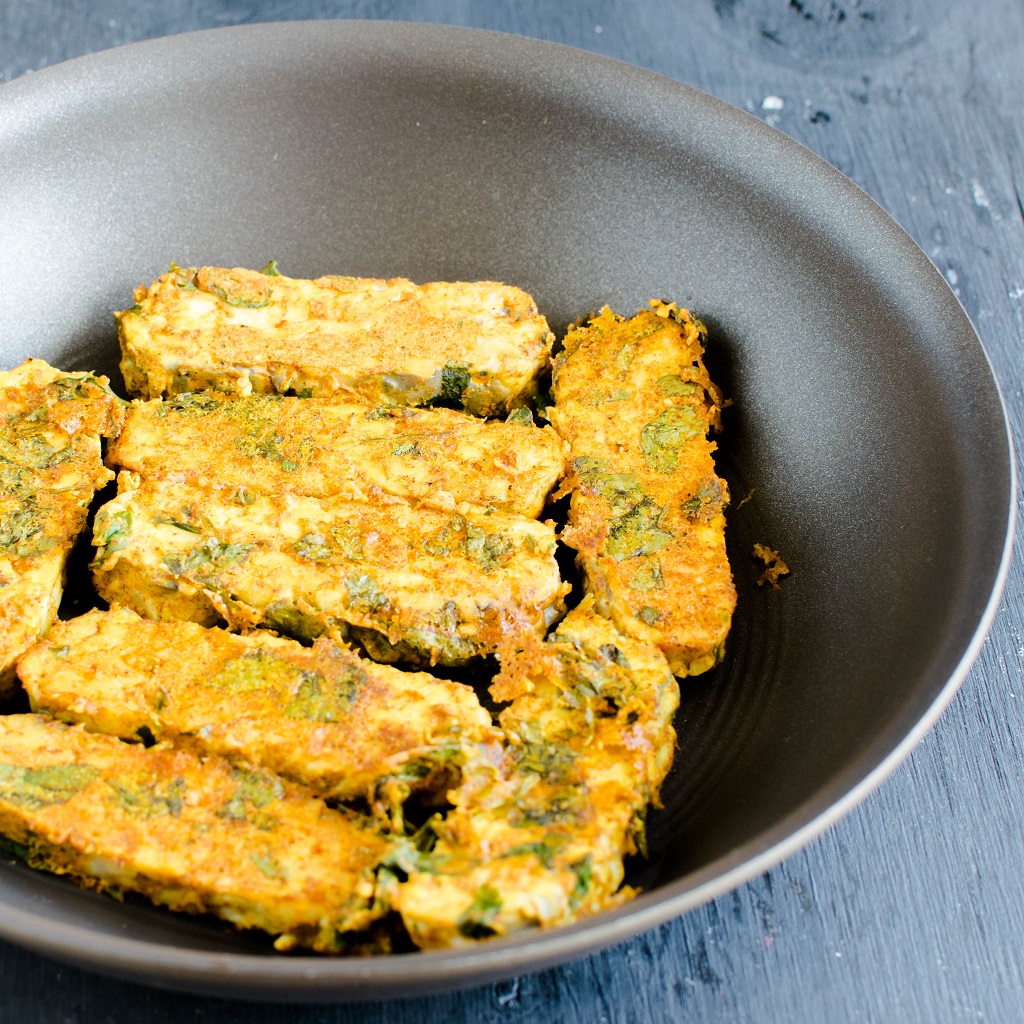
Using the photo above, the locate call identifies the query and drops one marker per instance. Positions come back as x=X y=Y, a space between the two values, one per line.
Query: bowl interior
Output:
x=866 y=432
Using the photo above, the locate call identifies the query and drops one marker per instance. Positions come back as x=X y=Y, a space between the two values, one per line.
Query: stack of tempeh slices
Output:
x=273 y=774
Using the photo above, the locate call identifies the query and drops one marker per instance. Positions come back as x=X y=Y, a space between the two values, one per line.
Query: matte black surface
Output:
x=866 y=421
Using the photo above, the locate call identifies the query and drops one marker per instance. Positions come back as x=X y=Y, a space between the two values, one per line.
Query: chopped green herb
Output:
x=43 y=787
x=269 y=865
x=23 y=531
x=637 y=532
x=111 y=530
x=271 y=269
x=674 y=385
x=648 y=615
x=313 y=547
x=625 y=356
x=545 y=850
x=584 y=881
x=286 y=618
x=523 y=416
x=148 y=800
x=317 y=699
x=406 y=448
x=212 y=554
x=365 y=596
x=662 y=438
x=486 y=548
x=649 y=576
x=446 y=540
x=476 y=922
x=455 y=379
x=168 y=521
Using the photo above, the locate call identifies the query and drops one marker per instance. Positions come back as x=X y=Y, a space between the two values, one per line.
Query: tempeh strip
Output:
x=321 y=716
x=539 y=839
x=409 y=583
x=266 y=444
x=635 y=403
x=51 y=464
x=479 y=344
x=191 y=833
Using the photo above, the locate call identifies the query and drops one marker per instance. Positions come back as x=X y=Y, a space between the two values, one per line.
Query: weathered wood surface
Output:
x=912 y=908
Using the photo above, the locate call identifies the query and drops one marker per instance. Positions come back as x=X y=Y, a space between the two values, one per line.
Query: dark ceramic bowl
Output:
x=866 y=425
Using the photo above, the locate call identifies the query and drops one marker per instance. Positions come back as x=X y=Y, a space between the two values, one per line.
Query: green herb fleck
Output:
x=321 y=700
x=662 y=438
x=637 y=532
x=649 y=576
x=286 y=618
x=648 y=615
x=271 y=269
x=486 y=548
x=313 y=547
x=406 y=448
x=584 y=881
x=674 y=385
x=269 y=865
x=365 y=596
x=149 y=800
x=522 y=416
x=477 y=921
x=23 y=531
x=446 y=540
x=44 y=787
x=454 y=381
x=545 y=850
x=180 y=524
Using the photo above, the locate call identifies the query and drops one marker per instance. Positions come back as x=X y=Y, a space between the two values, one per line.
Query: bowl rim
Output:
x=319 y=979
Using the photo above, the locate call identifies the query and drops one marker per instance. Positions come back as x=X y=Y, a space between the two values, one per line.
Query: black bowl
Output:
x=867 y=429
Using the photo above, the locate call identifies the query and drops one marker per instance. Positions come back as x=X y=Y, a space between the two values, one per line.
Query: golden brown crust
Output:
x=321 y=716
x=193 y=834
x=51 y=423
x=479 y=344
x=539 y=831
x=635 y=403
x=325 y=447
x=412 y=584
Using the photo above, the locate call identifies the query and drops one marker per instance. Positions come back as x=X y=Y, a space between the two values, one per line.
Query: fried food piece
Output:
x=193 y=834
x=411 y=584
x=635 y=403
x=478 y=344
x=265 y=444
x=537 y=836
x=50 y=466
x=343 y=726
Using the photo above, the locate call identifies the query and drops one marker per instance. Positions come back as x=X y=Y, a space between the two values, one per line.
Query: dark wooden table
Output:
x=912 y=908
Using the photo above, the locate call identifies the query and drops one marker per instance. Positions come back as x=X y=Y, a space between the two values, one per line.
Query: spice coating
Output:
x=480 y=345
x=635 y=404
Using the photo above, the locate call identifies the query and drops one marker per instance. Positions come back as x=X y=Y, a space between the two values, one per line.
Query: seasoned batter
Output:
x=480 y=345
x=346 y=727
x=635 y=404
x=411 y=584
x=51 y=423
x=265 y=444
x=192 y=833
x=538 y=839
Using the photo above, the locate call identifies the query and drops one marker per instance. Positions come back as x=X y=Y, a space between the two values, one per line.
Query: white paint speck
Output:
x=839 y=956
x=772 y=103
x=980 y=195
x=949 y=191
x=952 y=277
x=599 y=29
x=1016 y=292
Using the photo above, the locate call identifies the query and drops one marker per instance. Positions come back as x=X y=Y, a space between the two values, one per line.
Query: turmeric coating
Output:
x=480 y=345
x=410 y=584
x=635 y=404
x=51 y=423
x=265 y=444
x=322 y=716
x=538 y=834
x=192 y=833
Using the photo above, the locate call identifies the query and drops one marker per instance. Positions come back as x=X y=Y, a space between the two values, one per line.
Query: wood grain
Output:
x=912 y=908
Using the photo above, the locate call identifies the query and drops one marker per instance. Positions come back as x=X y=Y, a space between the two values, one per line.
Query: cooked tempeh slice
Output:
x=539 y=840
x=477 y=344
x=50 y=466
x=322 y=716
x=410 y=583
x=191 y=833
x=635 y=403
x=265 y=444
